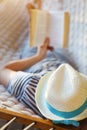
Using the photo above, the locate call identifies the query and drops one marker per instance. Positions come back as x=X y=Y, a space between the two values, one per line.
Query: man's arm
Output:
x=10 y=69
x=23 y=64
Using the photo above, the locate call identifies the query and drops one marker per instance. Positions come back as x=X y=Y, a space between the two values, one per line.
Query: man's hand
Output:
x=42 y=50
x=37 y=4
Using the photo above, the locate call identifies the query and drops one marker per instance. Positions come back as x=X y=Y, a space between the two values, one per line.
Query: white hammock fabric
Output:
x=78 y=28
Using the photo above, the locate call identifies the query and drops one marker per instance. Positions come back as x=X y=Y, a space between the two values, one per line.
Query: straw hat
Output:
x=62 y=94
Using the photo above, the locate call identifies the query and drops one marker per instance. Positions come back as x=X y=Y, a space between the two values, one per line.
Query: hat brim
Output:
x=41 y=104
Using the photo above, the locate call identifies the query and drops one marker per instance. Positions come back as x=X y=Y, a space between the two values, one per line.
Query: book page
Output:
x=33 y=19
x=40 y=27
x=56 y=28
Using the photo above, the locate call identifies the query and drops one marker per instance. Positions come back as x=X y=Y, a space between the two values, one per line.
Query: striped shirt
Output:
x=23 y=84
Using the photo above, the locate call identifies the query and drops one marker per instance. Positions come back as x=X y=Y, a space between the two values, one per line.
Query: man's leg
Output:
x=5 y=75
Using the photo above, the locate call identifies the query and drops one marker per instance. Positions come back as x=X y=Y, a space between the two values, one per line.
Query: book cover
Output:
x=52 y=24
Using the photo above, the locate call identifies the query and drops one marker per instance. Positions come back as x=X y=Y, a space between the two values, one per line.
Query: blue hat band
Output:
x=67 y=114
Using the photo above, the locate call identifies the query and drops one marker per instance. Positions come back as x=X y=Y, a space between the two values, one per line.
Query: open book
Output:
x=53 y=24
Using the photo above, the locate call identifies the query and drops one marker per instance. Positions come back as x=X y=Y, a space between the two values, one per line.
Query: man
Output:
x=14 y=80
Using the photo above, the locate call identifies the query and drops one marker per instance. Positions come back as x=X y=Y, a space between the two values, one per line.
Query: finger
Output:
x=50 y=48
x=30 y=6
x=46 y=42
